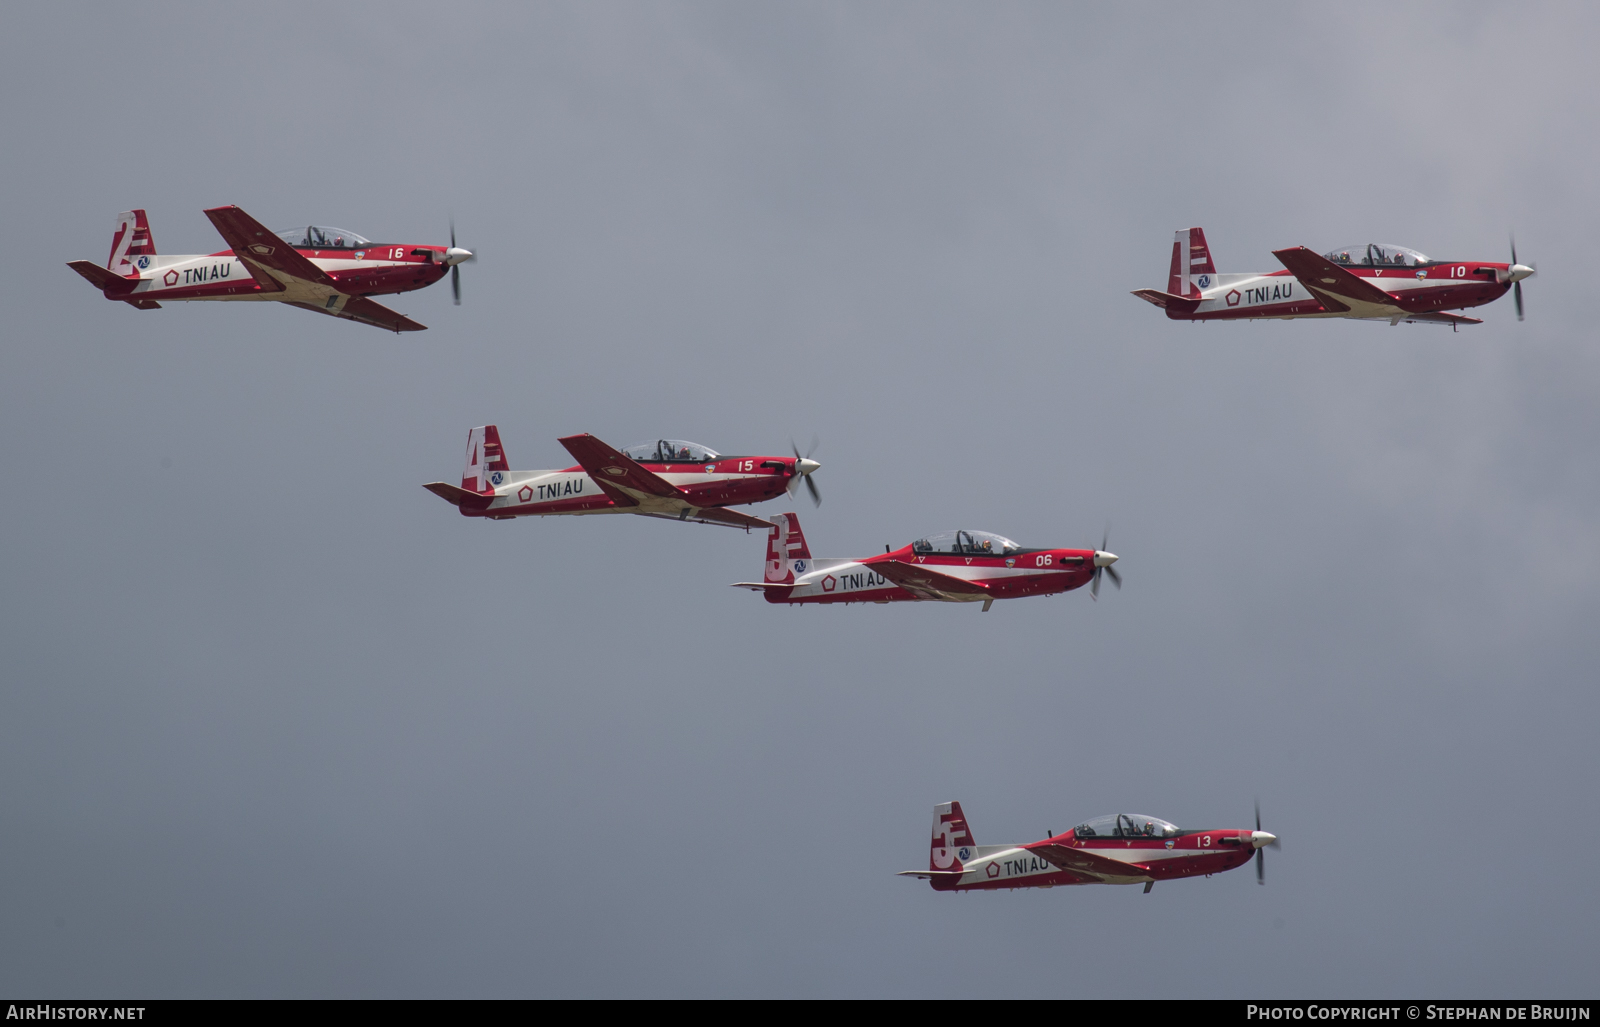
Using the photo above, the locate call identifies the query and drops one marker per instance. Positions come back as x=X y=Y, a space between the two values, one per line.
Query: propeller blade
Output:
x=1261 y=866
x=1258 y=814
x=452 y=233
x=1516 y=294
x=455 y=283
x=1094 y=584
x=811 y=486
x=1116 y=579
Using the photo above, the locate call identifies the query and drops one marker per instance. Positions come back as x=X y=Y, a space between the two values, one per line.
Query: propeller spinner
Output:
x=1515 y=274
x=1102 y=565
x=1261 y=839
x=803 y=468
x=455 y=257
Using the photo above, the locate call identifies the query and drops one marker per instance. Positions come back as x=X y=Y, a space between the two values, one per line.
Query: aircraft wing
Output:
x=1439 y=317
x=926 y=583
x=1081 y=861
x=359 y=308
x=609 y=467
x=1335 y=287
x=708 y=515
x=261 y=249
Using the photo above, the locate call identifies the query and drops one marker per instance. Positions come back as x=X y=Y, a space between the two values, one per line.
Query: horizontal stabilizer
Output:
x=928 y=875
x=926 y=583
x=760 y=586
x=458 y=496
x=1167 y=300
x=106 y=281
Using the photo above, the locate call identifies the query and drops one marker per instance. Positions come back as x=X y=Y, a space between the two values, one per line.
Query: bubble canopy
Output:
x=981 y=543
x=323 y=237
x=673 y=451
x=1126 y=825
x=1377 y=254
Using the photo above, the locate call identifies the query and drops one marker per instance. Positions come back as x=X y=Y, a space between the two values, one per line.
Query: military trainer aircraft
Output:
x=950 y=567
x=1374 y=282
x=1122 y=848
x=669 y=478
x=326 y=270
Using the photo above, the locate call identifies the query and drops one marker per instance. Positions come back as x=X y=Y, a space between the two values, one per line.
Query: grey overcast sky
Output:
x=274 y=721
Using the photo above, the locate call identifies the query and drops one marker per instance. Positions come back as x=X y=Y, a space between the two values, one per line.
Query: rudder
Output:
x=486 y=460
x=1191 y=257
x=952 y=844
x=130 y=241
x=787 y=552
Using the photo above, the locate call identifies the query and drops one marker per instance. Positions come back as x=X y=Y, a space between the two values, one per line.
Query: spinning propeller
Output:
x=1260 y=840
x=455 y=257
x=803 y=466
x=1516 y=273
x=1102 y=565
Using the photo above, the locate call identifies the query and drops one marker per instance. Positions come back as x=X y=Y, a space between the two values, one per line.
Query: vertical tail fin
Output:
x=1190 y=258
x=787 y=553
x=486 y=460
x=952 y=843
x=130 y=241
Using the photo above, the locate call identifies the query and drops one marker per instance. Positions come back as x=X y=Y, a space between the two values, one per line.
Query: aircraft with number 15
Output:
x=1122 y=848
x=1374 y=282
x=317 y=268
x=670 y=478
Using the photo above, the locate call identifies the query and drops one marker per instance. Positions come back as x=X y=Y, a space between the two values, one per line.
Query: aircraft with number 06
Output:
x=950 y=567
x=1374 y=282
x=1121 y=848
x=683 y=481
x=317 y=268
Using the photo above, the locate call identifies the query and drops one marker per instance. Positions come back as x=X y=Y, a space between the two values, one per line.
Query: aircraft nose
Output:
x=455 y=255
x=805 y=465
x=1259 y=839
x=1517 y=272
x=1104 y=559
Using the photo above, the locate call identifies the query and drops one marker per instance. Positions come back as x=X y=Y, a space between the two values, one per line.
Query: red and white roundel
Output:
x=828 y=583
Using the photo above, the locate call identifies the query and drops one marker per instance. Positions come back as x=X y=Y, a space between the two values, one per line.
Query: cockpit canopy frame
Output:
x=671 y=451
x=323 y=237
x=1375 y=254
x=961 y=541
x=1126 y=825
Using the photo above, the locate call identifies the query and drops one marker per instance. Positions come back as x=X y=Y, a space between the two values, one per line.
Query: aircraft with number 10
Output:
x=317 y=268
x=1122 y=848
x=1374 y=282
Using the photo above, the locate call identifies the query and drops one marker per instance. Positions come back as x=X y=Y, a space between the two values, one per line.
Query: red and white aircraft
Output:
x=950 y=567
x=669 y=478
x=1371 y=283
x=1122 y=848
x=328 y=270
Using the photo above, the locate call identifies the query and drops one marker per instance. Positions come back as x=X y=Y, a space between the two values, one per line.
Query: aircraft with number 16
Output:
x=317 y=268
x=1122 y=848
